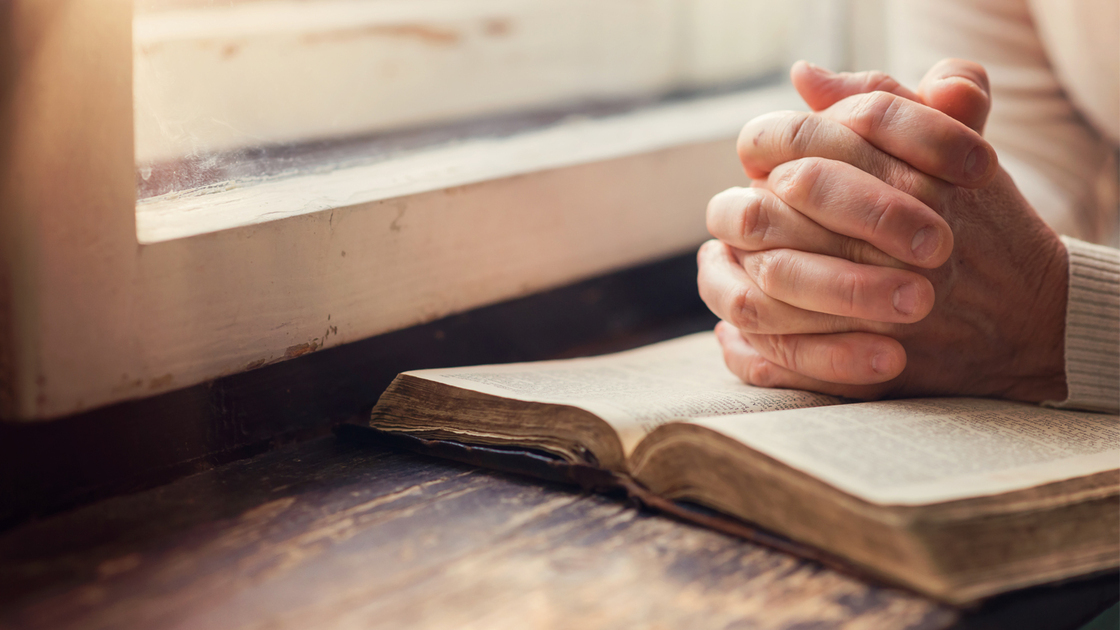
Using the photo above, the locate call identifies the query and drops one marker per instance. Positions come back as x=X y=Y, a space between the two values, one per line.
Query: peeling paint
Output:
x=496 y=27
x=161 y=381
x=127 y=386
x=301 y=349
x=422 y=32
x=396 y=226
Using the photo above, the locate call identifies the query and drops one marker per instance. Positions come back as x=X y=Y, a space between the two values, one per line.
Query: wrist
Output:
x=1041 y=373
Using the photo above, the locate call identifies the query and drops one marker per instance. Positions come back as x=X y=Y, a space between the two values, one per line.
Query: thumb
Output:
x=823 y=88
x=959 y=89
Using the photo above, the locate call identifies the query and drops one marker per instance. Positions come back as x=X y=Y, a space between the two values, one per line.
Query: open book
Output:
x=956 y=498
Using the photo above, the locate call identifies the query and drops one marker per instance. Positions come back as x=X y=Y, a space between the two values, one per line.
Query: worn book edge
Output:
x=548 y=467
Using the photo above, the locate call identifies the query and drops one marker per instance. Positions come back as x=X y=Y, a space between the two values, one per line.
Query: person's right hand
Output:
x=826 y=273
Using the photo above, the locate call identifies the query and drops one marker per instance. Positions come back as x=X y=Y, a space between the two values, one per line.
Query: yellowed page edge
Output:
x=633 y=391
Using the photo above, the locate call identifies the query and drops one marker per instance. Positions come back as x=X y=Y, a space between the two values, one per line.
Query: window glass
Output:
x=229 y=90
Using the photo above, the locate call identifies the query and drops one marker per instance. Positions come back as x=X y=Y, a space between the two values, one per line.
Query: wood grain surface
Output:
x=333 y=535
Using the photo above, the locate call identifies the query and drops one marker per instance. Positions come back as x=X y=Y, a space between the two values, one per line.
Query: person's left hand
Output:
x=834 y=273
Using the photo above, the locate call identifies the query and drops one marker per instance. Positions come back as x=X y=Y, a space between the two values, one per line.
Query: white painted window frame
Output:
x=91 y=315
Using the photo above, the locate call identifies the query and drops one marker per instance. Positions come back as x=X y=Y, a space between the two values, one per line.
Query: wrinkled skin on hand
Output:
x=882 y=251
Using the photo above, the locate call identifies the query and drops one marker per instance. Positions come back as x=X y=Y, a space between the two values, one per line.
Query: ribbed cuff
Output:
x=1092 y=328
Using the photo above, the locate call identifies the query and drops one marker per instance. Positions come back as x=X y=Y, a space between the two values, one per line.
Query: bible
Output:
x=955 y=498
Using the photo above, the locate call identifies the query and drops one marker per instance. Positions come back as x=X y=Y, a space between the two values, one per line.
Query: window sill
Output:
x=94 y=312
x=235 y=204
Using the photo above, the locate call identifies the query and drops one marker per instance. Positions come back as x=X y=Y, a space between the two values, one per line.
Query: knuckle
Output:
x=850 y=289
x=754 y=221
x=837 y=358
x=715 y=211
x=849 y=248
x=873 y=112
x=751 y=135
x=747 y=146
x=744 y=309
x=877 y=214
x=702 y=286
x=969 y=69
x=761 y=372
x=914 y=183
x=745 y=139
x=787 y=349
x=877 y=80
x=702 y=257
x=800 y=180
x=902 y=176
x=737 y=365
x=757 y=138
x=710 y=248
x=769 y=268
x=800 y=130
x=861 y=252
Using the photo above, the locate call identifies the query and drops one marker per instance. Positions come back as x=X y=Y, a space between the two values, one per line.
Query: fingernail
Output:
x=925 y=243
x=881 y=363
x=906 y=298
x=976 y=164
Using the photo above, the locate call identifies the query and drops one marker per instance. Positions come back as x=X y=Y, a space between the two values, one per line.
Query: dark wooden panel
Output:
x=328 y=534
x=332 y=535
x=45 y=467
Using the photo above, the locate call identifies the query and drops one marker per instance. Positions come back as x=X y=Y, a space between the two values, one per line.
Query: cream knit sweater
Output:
x=1054 y=67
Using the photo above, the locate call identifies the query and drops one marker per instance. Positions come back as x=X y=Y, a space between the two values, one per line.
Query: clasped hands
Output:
x=881 y=250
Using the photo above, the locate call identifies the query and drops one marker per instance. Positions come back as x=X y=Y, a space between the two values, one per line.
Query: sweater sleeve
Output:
x=1092 y=335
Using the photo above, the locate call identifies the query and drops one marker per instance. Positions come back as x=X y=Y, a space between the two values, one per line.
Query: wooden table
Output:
x=338 y=535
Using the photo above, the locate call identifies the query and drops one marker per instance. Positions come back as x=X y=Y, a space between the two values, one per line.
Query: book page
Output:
x=633 y=391
x=912 y=452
